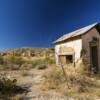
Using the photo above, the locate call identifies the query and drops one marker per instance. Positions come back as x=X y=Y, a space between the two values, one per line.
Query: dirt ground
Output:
x=32 y=79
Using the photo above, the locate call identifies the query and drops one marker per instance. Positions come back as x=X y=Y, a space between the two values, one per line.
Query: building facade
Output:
x=70 y=47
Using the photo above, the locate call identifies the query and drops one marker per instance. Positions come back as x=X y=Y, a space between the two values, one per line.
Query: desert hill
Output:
x=28 y=52
x=21 y=58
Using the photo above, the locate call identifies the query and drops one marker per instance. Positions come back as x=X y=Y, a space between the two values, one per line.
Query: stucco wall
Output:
x=86 y=38
x=76 y=45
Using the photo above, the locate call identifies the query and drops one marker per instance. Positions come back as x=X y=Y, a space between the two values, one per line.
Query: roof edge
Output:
x=93 y=25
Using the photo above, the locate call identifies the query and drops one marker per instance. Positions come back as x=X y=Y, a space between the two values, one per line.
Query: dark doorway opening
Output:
x=69 y=59
x=94 y=58
x=66 y=59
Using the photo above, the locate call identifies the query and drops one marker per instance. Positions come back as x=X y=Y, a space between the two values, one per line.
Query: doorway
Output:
x=94 y=58
x=69 y=59
x=66 y=59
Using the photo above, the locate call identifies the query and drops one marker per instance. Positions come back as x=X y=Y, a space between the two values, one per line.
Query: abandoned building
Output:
x=69 y=47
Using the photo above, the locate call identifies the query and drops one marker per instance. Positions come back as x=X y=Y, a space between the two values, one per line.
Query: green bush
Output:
x=2 y=61
x=42 y=66
x=49 y=60
x=37 y=62
x=15 y=60
x=42 y=63
x=26 y=66
x=9 y=86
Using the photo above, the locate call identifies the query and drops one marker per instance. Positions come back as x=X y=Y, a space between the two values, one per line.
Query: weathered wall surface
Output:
x=86 y=38
x=76 y=45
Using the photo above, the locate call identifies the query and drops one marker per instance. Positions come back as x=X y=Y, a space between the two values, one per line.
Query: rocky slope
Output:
x=29 y=52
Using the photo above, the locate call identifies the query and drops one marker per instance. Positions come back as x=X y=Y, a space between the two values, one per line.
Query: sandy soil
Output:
x=32 y=80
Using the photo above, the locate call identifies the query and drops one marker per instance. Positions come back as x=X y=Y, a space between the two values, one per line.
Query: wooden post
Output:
x=63 y=70
x=74 y=59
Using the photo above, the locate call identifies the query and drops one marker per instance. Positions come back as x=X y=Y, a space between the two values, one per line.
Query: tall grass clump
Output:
x=53 y=78
x=76 y=80
x=49 y=60
x=16 y=60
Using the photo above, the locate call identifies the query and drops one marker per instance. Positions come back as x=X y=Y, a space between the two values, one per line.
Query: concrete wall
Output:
x=76 y=45
x=79 y=44
x=86 y=38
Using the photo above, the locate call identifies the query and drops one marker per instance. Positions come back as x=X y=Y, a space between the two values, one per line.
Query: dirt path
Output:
x=32 y=80
x=36 y=93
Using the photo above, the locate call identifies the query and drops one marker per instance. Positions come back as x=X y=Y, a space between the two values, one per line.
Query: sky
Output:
x=37 y=23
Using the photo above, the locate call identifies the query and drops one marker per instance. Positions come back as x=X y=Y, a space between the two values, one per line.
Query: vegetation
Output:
x=9 y=87
x=15 y=60
x=29 y=52
x=76 y=82
x=2 y=62
x=41 y=66
x=26 y=58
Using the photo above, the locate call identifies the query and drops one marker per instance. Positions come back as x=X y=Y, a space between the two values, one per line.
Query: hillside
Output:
x=29 y=52
x=22 y=58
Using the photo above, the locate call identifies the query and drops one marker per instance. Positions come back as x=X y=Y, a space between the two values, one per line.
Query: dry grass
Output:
x=25 y=73
x=77 y=82
x=26 y=58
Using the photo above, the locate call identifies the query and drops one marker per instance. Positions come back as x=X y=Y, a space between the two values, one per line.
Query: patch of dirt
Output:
x=33 y=81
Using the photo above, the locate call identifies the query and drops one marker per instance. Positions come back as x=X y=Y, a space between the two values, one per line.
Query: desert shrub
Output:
x=49 y=60
x=13 y=67
x=9 y=86
x=53 y=79
x=25 y=73
x=2 y=60
x=15 y=60
x=13 y=63
x=17 y=54
x=42 y=66
x=83 y=68
x=38 y=62
x=41 y=63
x=74 y=83
x=26 y=66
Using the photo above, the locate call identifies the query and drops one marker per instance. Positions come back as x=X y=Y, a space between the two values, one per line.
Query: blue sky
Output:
x=37 y=23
